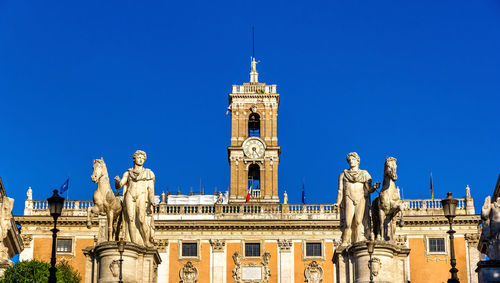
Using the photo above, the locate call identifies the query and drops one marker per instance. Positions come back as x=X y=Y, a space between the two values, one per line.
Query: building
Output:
x=221 y=238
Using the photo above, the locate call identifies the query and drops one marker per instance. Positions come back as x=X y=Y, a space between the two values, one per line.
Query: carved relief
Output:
x=267 y=270
x=217 y=245
x=114 y=266
x=313 y=273
x=401 y=240
x=375 y=267
x=284 y=245
x=188 y=273
x=162 y=245
x=237 y=267
x=251 y=272
x=27 y=240
x=473 y=239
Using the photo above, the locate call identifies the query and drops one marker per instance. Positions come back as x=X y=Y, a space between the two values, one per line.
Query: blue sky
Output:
x=418 y=80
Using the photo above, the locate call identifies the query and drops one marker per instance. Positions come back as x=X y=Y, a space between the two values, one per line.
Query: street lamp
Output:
x=371 y=247
x=121 y=248
x=55 y=207
x=449 y=208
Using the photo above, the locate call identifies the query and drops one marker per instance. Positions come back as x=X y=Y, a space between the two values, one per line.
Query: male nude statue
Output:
x=138 y=199
x=355 y=187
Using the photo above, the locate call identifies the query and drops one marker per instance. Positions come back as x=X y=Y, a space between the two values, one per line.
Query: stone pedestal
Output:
x=389 y=263
x=4 y=265
x=488 y=271
x=140 y=264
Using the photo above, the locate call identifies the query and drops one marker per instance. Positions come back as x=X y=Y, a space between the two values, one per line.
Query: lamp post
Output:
x=55 y=207
x=371 y=247
x=449 y=207
x=121 y=248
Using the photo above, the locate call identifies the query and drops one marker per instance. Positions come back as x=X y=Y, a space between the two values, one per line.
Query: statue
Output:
x=6 y=206
x=105 y=201
x=285 y=198
x=138 y=199
x=387 y=204
x=489 y=243
x=355 y=187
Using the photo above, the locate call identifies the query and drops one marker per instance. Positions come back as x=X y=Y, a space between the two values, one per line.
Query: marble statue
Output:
x=388 y=204
x=105 y=201
x=138 y=200
x=355 y=187
x=5 y=224
x=285 y=198
x=490 y=236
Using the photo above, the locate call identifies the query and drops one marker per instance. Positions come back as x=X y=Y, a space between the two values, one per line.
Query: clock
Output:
x=254 y=148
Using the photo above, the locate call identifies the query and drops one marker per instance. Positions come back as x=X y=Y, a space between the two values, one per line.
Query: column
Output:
x=164 y=265
x=285 y=261
x=473 y=256
x=218 y=262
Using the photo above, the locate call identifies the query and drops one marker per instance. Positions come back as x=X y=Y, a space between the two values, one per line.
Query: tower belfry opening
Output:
x=254 y=177
x=254 y=125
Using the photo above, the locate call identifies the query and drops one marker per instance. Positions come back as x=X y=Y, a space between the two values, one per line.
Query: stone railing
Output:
x=254 y=88
x=418 y=207
x=70 y=207
x=465 y=206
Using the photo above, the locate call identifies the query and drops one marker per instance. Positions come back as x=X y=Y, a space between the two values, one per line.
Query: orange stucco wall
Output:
x=300 y=265
x=273 y=262
x=175 y=265
x=42 y=250
x=435 y=268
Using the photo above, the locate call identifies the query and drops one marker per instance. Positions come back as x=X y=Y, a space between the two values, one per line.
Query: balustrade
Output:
x=323 y=211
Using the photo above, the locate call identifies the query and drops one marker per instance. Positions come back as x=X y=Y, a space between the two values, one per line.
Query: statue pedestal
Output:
x=389 y=263
x=488 y=271
x=4 y=265
x=140 y=264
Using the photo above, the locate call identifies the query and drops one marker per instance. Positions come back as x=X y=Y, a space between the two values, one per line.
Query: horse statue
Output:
x=105 y=201
x=388 y=204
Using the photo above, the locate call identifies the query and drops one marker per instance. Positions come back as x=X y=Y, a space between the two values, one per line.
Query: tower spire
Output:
x=254 y=76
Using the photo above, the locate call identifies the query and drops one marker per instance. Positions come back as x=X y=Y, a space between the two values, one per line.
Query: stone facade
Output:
x=224 y=239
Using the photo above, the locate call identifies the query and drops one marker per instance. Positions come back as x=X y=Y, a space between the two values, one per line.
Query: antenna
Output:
x=253 y=42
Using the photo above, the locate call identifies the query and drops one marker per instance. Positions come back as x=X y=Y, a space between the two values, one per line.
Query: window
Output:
x=436 y=245
x=254 y=177
x=254 y=125
x=313 y=249
x=189 y=249
x=252 y=249
x=64 y=246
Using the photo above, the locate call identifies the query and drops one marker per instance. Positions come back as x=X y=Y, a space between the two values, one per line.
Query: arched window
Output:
x=254 y=177
x=254 y=125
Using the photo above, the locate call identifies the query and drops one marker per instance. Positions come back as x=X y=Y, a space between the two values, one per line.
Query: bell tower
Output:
x=254 y=151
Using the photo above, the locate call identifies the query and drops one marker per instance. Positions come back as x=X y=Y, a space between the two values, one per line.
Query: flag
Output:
x=249 y=191
x=64 y=187
x=303 y=193
x=432 y=188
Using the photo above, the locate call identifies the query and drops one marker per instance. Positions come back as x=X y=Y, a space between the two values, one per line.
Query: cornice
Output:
x=251 y=224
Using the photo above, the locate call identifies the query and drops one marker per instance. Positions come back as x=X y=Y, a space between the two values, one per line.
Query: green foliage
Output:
x=35 y=271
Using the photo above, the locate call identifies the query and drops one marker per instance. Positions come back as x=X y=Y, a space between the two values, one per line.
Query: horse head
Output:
x=390 y=168
x=99 y=170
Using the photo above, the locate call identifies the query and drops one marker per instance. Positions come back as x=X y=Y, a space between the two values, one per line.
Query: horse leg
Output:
x=91 y=210
x=110 y=215
x=381 y=215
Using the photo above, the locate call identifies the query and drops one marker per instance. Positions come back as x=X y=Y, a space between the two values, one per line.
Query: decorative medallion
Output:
x=313 y=273
x=188 y=273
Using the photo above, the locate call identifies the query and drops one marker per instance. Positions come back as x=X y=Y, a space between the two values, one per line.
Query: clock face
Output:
x=254 y=148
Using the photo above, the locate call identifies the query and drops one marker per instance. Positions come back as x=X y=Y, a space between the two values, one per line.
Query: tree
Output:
x=35 y=271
